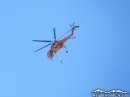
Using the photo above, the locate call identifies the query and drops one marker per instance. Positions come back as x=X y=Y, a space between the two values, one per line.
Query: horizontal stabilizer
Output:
x=76 y=26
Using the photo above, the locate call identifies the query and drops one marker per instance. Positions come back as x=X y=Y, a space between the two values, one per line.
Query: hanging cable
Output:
x=58 y=57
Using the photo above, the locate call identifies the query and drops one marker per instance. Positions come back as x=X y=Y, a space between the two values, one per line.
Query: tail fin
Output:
x=73 y=26
x=73 y=29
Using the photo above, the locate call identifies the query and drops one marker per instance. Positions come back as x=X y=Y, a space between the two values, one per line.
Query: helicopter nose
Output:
x=50 y=54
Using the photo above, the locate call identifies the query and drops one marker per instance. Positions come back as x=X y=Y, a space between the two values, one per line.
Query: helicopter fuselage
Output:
x=58 y=46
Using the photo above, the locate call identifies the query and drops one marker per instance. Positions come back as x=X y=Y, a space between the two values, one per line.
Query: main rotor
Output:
x=52 y=42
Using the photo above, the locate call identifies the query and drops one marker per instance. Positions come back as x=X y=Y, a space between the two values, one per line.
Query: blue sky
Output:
x=99 y=57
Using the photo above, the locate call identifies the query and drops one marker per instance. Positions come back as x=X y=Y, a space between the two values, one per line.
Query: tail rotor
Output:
x=73 y=25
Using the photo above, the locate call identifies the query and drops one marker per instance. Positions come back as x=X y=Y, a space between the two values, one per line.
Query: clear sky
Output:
x=99 y=56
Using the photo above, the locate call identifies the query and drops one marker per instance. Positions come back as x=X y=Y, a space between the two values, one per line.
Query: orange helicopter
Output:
x=57 y=44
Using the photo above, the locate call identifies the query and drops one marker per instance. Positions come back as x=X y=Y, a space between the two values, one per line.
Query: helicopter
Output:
x=56 y=45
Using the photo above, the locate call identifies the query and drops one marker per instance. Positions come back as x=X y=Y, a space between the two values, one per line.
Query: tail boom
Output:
x=73 y=29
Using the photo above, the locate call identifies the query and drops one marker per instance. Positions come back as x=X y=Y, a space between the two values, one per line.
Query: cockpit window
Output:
x=50 y=53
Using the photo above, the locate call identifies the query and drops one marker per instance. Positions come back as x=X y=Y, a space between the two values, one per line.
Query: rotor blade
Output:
x=43 y=47
x=73 y=23
x=72 y=37
x=54 y=33
x=42 y=40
